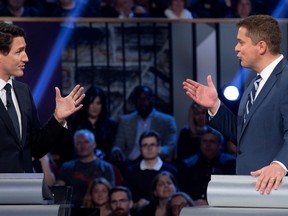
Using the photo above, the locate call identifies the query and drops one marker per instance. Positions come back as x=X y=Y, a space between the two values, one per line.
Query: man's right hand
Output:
x=205 y=96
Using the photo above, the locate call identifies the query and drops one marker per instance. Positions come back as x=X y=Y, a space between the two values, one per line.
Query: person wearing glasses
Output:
x=145 y=170
x=120 y=199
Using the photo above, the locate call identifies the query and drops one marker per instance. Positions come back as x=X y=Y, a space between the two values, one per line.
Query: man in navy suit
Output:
x=262 y=138
x=17 y=149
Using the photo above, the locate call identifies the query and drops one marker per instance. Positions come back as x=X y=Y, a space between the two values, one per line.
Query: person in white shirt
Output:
x=177 y=10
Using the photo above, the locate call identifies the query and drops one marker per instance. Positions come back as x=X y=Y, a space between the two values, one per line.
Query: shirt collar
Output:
x=3 y=83
x=157 y=166
x=269 y=69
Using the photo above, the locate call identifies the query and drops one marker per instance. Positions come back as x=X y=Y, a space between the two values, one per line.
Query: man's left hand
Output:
x=66 y=106
x=269 y=177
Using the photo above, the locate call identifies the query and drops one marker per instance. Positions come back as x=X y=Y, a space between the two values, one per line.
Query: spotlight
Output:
x=231 y=93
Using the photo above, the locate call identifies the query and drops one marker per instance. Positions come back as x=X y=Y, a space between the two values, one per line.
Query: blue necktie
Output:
x=251 y=96
x=11 y=109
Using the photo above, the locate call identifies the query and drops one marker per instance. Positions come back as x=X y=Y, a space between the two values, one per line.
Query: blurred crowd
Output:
x=142 y=8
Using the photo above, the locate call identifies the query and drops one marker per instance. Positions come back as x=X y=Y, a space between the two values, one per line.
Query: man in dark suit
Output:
x=20 y=143
x=261 y=135
x=146 y=117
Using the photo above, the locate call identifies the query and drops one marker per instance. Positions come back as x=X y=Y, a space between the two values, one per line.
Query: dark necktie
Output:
x=11 y=109
x=251 y=96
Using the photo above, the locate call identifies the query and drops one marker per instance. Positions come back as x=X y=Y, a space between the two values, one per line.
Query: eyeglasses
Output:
x=121 y=201
x=152 y=145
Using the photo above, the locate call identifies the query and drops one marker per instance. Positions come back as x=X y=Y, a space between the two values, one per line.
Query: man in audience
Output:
x=120 y=199
x=146 y=117
x=196 y=171
x=147 y=169
x=80 y=172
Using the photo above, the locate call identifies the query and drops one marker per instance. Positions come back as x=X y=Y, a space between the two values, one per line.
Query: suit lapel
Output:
x=261 y=96
x=6 y=119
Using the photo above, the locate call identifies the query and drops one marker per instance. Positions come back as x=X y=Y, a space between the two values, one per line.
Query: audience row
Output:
x=140 y=8
x=134 y=150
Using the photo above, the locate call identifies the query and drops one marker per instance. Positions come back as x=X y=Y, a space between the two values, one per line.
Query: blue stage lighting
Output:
x=63 y=38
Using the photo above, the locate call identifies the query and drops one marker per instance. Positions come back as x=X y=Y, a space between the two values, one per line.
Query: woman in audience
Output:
x=97 y=196
x=94 y=117
x=177 y=10
x=189 y=136
x=163 y=187
x=176 y=202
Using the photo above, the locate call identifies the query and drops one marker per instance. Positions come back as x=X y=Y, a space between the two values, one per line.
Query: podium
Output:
x=26 y=194
x=236 y=196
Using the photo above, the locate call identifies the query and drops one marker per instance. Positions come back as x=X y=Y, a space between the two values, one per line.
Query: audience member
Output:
x=74 y=8
x=242 y=9
x=17 y=8
x=177 y=10
x=195 y=172
x=210 y=8
x=97 y=196
x=146 y=170
x=189 y=136
x=128 y=9
x=80 y=172
x=94 y=117
x=120 y=199
x=146 y=117
x=163 y=187
x=176 y=202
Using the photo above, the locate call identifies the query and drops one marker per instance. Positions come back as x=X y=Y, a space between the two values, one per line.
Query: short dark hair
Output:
x=7 y=33
x=141 y=89
x=263 y=27
x=150 y=133
x=120 y=189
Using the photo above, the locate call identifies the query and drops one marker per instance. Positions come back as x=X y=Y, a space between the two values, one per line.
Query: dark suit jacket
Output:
x=163 y=123
x=16 y=155
x=263 y=138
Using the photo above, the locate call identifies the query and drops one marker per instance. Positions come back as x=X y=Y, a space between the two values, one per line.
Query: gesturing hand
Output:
x=206 y=96
x=66 y=106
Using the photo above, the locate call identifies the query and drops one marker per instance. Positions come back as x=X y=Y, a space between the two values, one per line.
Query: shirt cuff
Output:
x=282 y=165
x=211 y=115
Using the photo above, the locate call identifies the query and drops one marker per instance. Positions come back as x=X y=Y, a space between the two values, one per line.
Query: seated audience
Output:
x=146 y=117
x=128 y=9
x=189 y=136
x=146 y=170
x=73 y=8
x=17 y=8
x=195 y=171
x=80 y=172
x=163 y=187
x=242 y=9
x=176 y=202
x=120 y=200
x=97 y=196
x=94 y=117
x=177 y=10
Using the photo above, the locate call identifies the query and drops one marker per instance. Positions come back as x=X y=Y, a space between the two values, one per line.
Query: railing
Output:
x=118 y=54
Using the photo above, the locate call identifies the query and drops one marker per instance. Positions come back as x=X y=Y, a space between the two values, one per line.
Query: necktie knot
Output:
x=8 y=87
